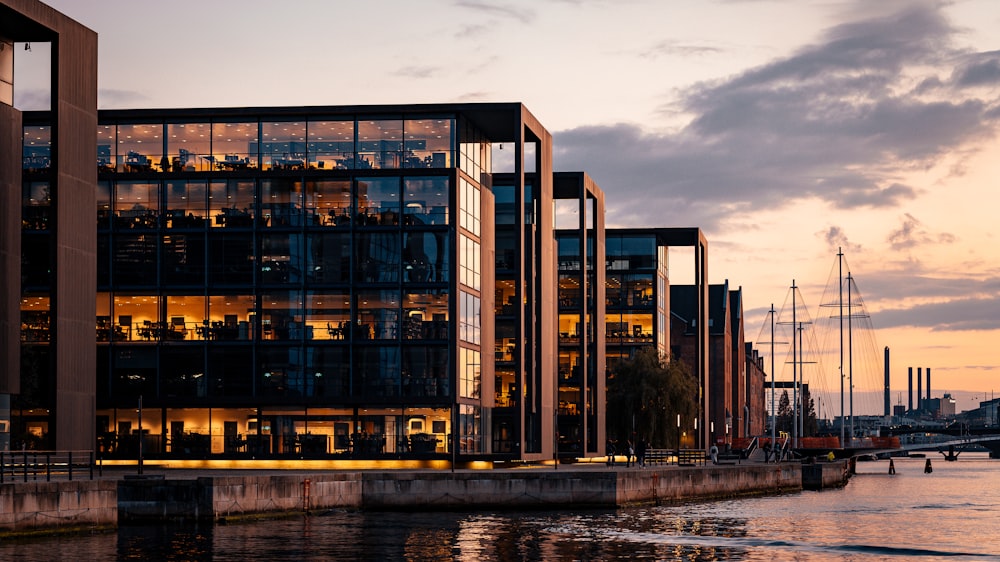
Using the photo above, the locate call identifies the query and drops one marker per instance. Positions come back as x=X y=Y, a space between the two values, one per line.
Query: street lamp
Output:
x=678 y=433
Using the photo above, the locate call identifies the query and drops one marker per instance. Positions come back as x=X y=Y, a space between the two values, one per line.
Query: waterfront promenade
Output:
x=119 y=495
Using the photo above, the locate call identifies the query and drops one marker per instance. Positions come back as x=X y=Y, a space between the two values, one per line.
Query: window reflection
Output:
x=378 y=315
x=328 y=314
x=281 y=316
x=378 y=202
x=425 y=315
x=234 y=146
x=188 y=148
x=140 y=148
x=186 y=204
x=380 y=144
x=231 y=203
x=328 y=202
x=283 y=145
x=137 y=205
x=328 y=257
x=281 y=202
x=331 y=145
x=36 y=149
x=425 y=201
x=428 y=143
x=378 y=257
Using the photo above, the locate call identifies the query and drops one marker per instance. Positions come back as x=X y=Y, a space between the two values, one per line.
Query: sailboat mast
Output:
x=795 y=378
x=840 y=282
x=850 y=352
x=774 y=410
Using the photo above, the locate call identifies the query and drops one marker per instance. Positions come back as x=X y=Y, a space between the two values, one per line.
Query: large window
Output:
x=470 y=207
x=281 y=202
x=283 y=145
x=331 y=144
x=231 y=203
x=188 y=145
x=425 y=201
x=186 y=205
x=469 y=375
x=380 y=144
x=378 y=257
x=328 y=257
x=234 y=145
x=378 y=202
x=469 y=269
x=378 y=315
x=36 y=151
x=328 y=315
x=140 y=148
x=137 y=205
x=470 y=326
x=428 y=143
x=328 y=202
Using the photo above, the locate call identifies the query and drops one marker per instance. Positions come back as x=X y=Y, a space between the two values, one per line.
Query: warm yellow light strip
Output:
x=298 y=464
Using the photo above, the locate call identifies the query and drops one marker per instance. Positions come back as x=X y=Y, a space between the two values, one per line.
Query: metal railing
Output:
x=35 y=465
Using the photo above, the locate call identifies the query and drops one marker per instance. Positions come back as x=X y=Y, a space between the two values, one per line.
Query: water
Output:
x=949 y=514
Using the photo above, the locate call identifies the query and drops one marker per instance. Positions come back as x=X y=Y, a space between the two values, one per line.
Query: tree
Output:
x=784 y=417
x=645 y=393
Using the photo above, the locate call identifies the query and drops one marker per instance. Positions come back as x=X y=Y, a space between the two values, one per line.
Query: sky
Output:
x=786 y=130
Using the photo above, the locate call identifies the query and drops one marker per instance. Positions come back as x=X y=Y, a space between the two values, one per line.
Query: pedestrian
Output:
x=611 y=453
x=641 y=453
x=713 y=453
x=767 y=452
x=629 y=453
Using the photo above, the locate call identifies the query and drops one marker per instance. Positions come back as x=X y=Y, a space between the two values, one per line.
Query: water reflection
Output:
x=947 y=515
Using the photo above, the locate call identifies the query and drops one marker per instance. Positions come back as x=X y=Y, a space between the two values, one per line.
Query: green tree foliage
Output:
x=645 y=394
x=784 y=421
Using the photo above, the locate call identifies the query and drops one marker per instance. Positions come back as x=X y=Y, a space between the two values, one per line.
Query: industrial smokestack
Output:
x=885 y=395
x=909 y=391
x=928 y=383
x=920 y=383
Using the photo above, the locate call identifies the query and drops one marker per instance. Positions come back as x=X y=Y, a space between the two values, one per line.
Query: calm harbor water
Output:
x=948 y=514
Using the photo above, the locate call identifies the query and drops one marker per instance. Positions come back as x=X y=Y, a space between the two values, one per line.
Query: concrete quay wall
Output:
x=709 y=482
x=160 y=498
x=218 y=497
x=29 y=506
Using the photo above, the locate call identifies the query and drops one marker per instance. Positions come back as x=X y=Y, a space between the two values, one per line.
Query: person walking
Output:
x=713 y=453
x=767 y=452
x=611 y=453
x=629 y=453
x=640 y=452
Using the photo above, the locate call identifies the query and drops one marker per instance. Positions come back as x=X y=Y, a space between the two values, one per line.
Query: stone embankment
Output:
x=175 y=497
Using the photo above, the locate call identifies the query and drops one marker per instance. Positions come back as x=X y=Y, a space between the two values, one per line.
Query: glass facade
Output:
x=296 y=284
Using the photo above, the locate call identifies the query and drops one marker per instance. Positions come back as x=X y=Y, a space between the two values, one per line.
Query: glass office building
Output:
x=306 y=282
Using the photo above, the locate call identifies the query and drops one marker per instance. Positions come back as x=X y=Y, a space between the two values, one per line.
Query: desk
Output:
x=288 y=163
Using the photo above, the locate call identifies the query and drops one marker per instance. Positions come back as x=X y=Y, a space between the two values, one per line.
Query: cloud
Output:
x=953 y=315
x=111 y=99
x=836 y=238
x=671 y=47
x=912 y=233
x=840 y=121
x=497 y=9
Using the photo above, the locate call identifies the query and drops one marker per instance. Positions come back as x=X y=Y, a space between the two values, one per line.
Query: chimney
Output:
x=920 y=383
x=909 y=391
x=928 y=383
x=885 y=396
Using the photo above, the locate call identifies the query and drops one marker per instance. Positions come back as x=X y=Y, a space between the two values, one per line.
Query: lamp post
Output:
x=696 y=433
x=678 y=433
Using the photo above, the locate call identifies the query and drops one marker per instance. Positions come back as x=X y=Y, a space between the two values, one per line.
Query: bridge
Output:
x=988 y=437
